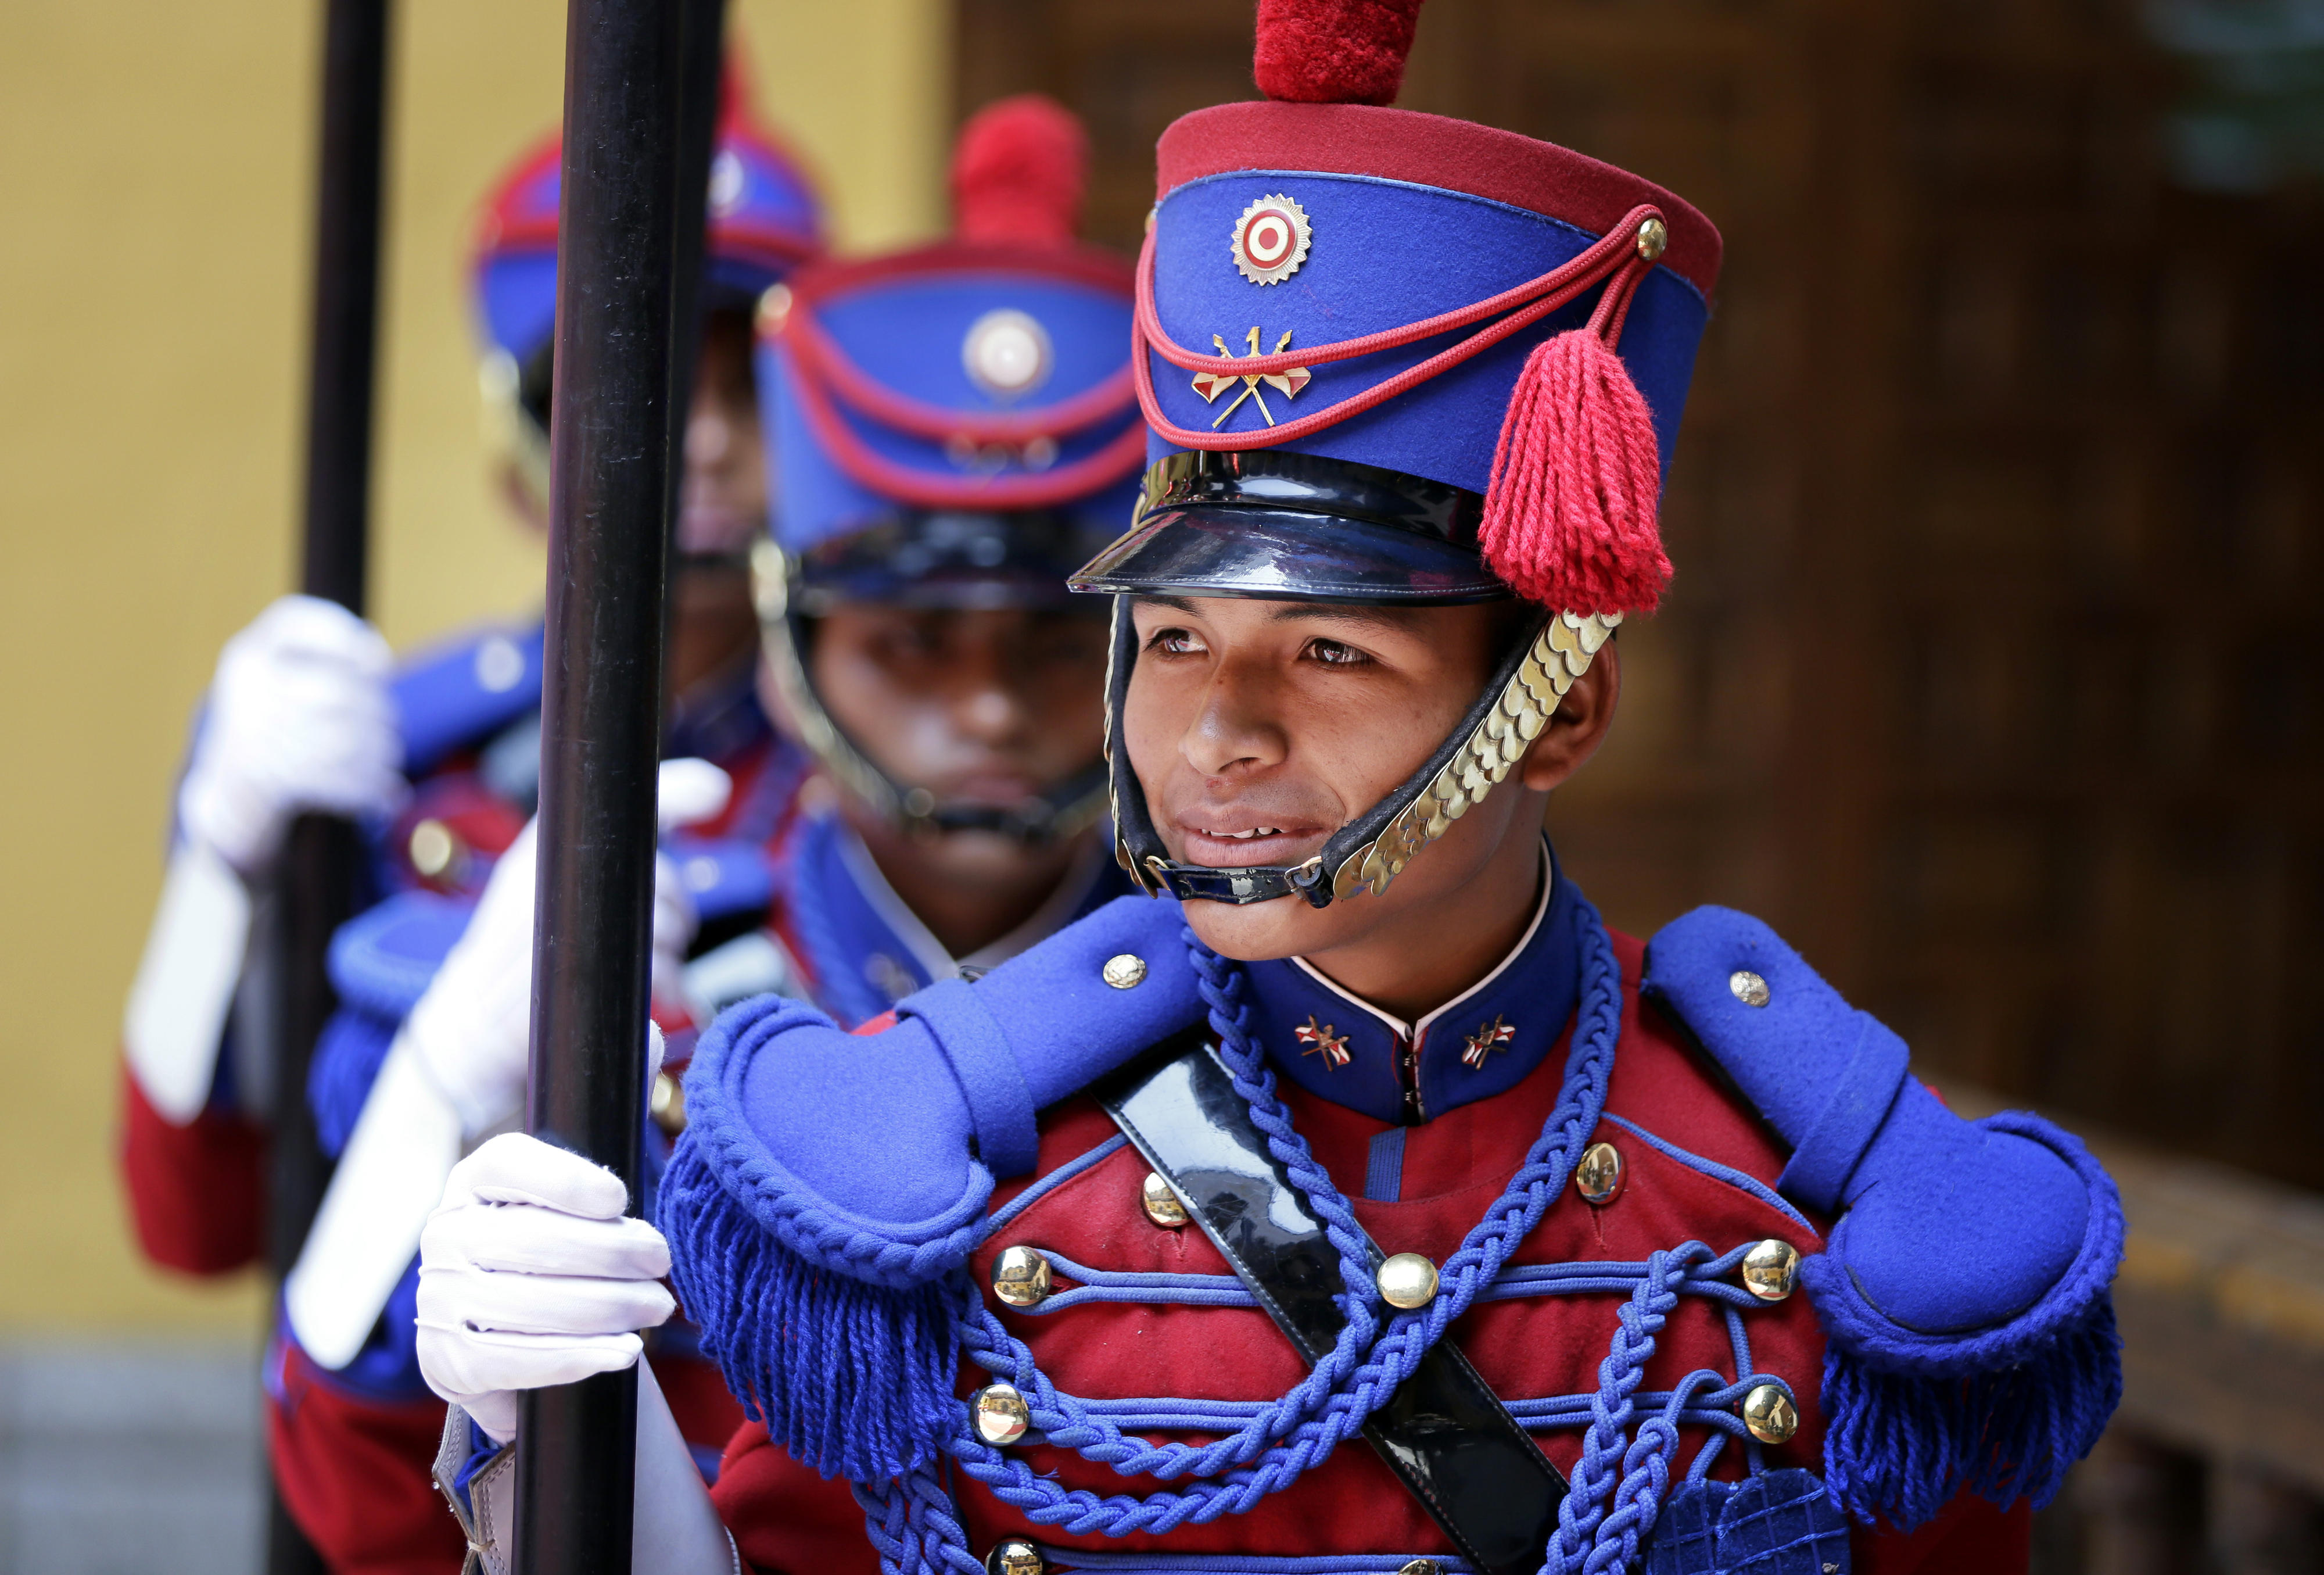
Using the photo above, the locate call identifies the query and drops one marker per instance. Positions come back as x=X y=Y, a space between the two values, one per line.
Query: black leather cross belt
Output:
x=1444 y=1434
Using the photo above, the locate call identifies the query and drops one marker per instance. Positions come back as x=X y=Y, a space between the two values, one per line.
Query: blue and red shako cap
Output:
x=985 y=376
x=764 y=218
x=1496 y=332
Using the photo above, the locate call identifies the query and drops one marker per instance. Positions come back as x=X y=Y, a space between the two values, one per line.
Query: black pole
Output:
x=321 y=860
x=609 y=500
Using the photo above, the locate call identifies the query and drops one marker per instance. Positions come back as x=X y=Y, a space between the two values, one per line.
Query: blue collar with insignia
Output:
x=1341 y=1048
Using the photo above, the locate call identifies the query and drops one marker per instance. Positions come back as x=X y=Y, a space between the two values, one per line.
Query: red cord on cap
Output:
x=1018 y=171
x=1334 y=52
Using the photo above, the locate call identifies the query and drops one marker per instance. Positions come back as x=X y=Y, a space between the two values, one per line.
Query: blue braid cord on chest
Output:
x=854 y=1372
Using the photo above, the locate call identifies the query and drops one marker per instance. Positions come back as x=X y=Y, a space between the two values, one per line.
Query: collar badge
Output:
x=1210 y=384
x=1271 y=240
x=1333 y=1047
x=1494 y=1036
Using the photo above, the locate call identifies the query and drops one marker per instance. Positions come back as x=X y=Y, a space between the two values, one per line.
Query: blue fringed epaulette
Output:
x=1964 y=1290
x=464 y=691
x=380 y=964
x=823 y=1202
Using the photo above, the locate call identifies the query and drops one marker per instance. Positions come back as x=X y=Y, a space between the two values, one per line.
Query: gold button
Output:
x=1770 y=1415
x=1653 y=235
x=1423 y=1567
x=668 y=1104
x=1001 y=1412
x=1771 y=1269
x=1749 y=987
x=1125 y=972
x=1406 y=1280
x=1020 y=1276
x=1015 y=1556
x=434 y=849
x=1161 y=1204
x=1599 y=1177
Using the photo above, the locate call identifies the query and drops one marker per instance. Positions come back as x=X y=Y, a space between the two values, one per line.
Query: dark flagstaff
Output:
x=323 y=855
x=634 y=172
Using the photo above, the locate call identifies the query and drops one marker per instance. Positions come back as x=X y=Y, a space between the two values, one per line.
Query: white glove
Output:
x=298 y=718
x=472 y=1030
x=531 y=1275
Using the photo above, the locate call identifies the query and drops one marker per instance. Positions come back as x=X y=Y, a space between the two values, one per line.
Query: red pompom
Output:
x=1570 y=514
x=1334 y=52
x=1018 y=171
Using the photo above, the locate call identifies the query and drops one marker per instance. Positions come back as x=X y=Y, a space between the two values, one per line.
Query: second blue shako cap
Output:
x=954 y=419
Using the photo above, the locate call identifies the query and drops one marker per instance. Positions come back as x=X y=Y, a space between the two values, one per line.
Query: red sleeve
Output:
x=784 y=1516
x=1969 y=1537
x=198 y=1193
x=354 y=1475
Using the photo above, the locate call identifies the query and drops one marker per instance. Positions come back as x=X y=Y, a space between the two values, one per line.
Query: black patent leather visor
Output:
x=949 y=559
x=1282 y=527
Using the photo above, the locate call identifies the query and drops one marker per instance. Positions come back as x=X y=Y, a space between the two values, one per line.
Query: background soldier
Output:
x=1490 y=1170
x=933 y=640
x=955 y=432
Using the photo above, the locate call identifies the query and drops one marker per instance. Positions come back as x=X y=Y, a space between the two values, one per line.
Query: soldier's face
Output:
x=723 y=499
x=1258 y=729
x=988 y=707
x=722 y=509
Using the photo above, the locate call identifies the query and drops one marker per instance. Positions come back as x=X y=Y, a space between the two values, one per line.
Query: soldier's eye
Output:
x=1174 y=642
x=1332 y=654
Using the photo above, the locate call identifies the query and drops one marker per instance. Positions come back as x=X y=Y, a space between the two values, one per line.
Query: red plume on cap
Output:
x=1334 y=52
x=1018 y=171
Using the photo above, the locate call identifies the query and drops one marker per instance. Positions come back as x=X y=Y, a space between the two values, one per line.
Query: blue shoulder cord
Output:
x=911 y=1520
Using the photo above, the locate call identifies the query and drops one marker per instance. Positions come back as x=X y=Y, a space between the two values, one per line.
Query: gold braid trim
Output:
x=1561 y=654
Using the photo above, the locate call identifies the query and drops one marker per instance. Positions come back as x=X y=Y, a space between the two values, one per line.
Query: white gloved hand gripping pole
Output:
x=531 y=1276
x=297 y=718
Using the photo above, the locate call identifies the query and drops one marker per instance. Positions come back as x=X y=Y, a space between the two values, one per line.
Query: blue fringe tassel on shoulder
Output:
x=348 y=1054
x=840 y=1338
x=1912 y=1420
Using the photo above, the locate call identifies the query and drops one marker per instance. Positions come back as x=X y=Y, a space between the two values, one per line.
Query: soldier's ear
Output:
x=1579 y=725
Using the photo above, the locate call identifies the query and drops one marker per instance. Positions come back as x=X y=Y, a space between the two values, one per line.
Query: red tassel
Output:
x=1018 y=171
x=1332 y=51
x=1570 y=515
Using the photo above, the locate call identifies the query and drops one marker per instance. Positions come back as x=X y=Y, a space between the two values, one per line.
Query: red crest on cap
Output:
x=1334 y=52
x=1018 y=173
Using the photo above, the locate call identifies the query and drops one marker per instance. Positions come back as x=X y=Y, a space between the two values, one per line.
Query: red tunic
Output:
x=786 y=1518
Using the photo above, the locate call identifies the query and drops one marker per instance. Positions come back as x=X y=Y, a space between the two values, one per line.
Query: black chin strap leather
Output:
x=1139 y=847
x=1444 y=1434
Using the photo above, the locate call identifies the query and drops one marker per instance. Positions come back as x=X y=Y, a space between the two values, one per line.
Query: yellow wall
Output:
x=154 y=173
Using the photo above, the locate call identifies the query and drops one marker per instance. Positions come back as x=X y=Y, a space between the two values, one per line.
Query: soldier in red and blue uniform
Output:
x=923 y=654
x=956 y=432
x=1355 y=1200
x=438 y=759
